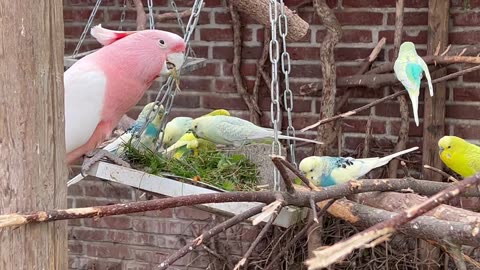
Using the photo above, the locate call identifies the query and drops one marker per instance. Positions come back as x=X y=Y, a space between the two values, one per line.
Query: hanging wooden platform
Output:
x=173 y=188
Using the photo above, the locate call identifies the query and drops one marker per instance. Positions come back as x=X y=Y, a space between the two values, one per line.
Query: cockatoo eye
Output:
x=161 y=43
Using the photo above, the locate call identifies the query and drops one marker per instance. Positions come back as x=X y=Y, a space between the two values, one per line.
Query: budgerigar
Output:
x=178 y=126
x=459 y=155
x=149 y=136
x=327 y=171
x=101 y=87
x=408 y=70
x=233 y=131
x=188 y=143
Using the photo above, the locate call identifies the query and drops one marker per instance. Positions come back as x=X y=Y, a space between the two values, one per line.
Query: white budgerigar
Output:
x=233 y=131
x=408 y=70
x=327 y=171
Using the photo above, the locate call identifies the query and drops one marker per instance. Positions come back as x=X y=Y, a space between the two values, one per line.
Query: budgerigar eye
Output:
x=449 y=147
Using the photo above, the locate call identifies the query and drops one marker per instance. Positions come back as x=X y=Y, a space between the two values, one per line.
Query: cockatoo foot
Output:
x=98 y=154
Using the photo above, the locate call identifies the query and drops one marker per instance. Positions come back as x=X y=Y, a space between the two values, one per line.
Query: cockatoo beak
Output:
x=174 y=61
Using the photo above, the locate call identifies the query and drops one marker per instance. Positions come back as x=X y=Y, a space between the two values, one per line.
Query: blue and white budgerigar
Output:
x=178 y=126
x=327 y=171
x=408 y=70
x=149 y=136
x=233 y=131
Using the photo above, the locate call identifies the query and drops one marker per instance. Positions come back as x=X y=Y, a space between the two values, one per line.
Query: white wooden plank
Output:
x=161 y=185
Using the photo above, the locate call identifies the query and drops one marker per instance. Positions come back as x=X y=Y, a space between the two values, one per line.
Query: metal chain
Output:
x=274 y=93
x=179 y=19
x=287 y=93
x=123 y=15
x=86 y=28
x=150 y=14
x=167 y=91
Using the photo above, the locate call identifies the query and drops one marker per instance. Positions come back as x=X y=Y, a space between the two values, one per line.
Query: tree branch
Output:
x=378 y=232
x=251 y=103
x=327 y=60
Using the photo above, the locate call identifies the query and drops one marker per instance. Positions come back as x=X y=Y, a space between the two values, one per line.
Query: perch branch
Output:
x=172 y=15
x=141 y=15
x=300 y=199
x=327 y=60
x=448 y=176
x=259 y=10
x=209 y=234
x=252 y=105
x=260 y=64
x=378 y=232
x=378 y=101
x=283 y=172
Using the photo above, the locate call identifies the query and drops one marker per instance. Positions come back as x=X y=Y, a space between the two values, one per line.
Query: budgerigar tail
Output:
x=384 y=160
x=414 y=100
x=284 y=137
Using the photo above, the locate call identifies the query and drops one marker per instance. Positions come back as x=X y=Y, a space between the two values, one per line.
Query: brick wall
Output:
x=364 y=22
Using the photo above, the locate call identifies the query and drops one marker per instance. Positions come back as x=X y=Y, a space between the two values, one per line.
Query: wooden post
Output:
x=434 y=110
x=32 y=145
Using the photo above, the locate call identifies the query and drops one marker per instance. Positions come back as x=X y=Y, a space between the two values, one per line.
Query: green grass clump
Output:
x=229 y=172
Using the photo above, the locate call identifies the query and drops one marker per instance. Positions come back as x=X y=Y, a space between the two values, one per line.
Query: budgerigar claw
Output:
x=98 y=154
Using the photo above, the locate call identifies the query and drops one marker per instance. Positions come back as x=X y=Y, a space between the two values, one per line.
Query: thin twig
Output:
x=208 y=234
x=141 y=15
x=449 y=177
x=259 y=237
x=172 y=15
x=283 y=172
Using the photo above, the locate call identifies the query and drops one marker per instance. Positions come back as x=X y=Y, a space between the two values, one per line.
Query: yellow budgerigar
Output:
x=459 y=155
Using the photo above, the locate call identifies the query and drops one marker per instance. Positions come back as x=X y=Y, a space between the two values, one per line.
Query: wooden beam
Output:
x=32 y=140
x=434 y=110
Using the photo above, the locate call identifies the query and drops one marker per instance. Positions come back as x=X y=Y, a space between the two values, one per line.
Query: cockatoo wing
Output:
x=85 y=89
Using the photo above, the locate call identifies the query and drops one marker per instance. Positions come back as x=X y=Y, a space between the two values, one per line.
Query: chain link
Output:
x=274 y=89
x=168 y=90
x=86 y=28
x=150 y=14
x=123 y=15
x=287 y=93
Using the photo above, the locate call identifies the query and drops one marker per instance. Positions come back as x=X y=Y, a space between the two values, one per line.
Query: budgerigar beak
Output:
x=440 y=150
x=174 y=61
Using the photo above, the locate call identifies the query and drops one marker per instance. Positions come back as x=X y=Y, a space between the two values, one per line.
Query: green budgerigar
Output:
x=408 y=70
x=233 y=131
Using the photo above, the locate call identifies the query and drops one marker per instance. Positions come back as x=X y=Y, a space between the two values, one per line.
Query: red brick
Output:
x=246 y=69
x=74 y=222
x=463 y=111
x=179 y=3
x=196 y=84
x=350 y=106
x=383 y=3
x=360 y=18
x=306 y=71
x=114 y=222
x=108 y=250
x=87 y=202
x=132 y=238
x=303 y=53
x=75 y=190
x=75 y=247
x=417 y=37
x=216 y=34
x=81 y=14
x=210 y=69
x=356 y=36
x=87 y=235
x=359 y=126
x=226 y=53
x=115 y=15
x=216 y=102
x=465 y=4
x=410 y=18
x=186 y=101
x=150 y=256
x=105 y=190
x=133 y=265
x=222 y=17
x=467 y=132
x=364 y=92
x=353 y=54
x=213 y=3
x=200 y=51
x=302 y=120
x=91 y=2
x=388 y=110
x=225 y=85
x=413 y=130
x=192 y=213
x=346 y=70
x=162 y=226
x=464 y=37
x=466 y=94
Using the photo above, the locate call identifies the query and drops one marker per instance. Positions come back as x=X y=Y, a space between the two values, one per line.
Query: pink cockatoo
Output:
x=101 y=87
